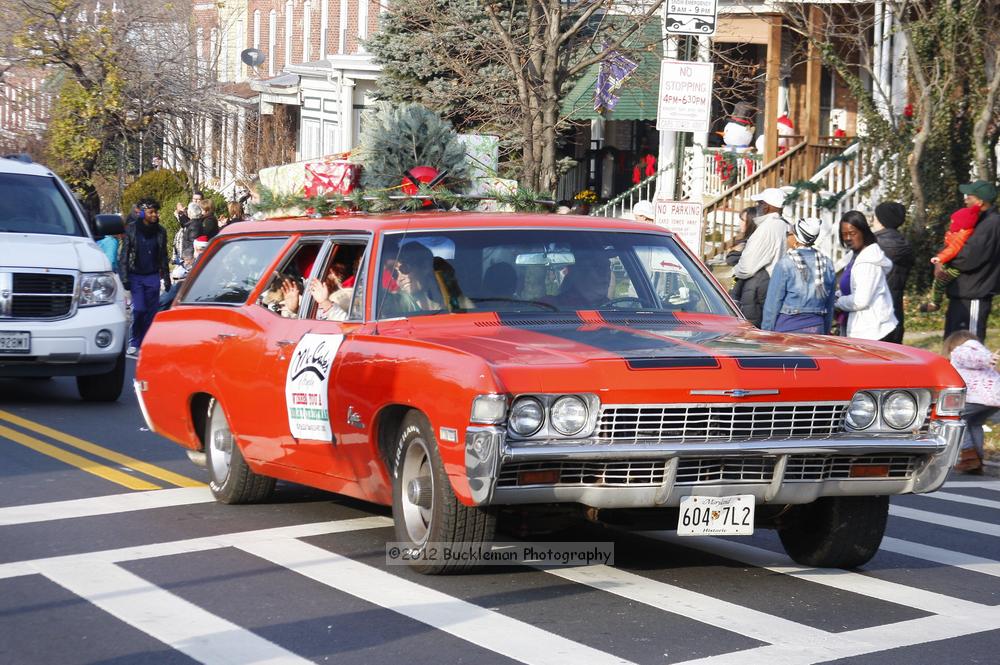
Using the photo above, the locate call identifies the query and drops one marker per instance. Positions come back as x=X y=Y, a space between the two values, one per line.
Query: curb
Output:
x=991 y=468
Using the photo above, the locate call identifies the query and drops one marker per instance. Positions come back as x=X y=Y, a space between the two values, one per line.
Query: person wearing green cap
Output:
x=970 y=294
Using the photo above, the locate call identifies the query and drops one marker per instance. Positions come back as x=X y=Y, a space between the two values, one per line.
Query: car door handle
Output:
x=224 y=336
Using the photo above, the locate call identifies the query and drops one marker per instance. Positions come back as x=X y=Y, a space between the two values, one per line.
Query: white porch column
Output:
x=347 y=113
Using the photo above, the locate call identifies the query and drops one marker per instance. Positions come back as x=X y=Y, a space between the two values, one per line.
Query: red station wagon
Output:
x=457 y=365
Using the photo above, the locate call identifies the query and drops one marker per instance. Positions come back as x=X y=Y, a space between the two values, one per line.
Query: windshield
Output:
x=34 y=204
x=524 y=270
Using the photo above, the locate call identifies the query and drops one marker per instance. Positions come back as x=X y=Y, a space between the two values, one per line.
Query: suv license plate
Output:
x=15 y=342
x=716 y=515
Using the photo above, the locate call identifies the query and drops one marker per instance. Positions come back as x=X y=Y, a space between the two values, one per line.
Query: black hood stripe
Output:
x=777 y=362
x=638 y=351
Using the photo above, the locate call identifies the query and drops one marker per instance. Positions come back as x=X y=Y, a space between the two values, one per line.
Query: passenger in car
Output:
x=417 y=288
x=499 y=282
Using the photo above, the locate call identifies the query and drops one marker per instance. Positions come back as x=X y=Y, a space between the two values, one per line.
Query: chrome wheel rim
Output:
x=220 y=440
x=417 y=491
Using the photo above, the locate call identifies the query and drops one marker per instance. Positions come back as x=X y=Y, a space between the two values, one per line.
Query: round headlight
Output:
x=861 y=412
x=568 y=415
x=526 y=416
x=899 y=409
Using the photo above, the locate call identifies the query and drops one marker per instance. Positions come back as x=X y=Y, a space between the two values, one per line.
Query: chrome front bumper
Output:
x=488 y=451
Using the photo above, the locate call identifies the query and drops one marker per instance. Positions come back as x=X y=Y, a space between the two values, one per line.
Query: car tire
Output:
x=105 y=387
x=230 y=479
x=836 y=532
x=428 y=516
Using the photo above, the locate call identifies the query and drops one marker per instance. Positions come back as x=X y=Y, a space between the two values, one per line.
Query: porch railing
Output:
x=621 y=204
x=722 y=214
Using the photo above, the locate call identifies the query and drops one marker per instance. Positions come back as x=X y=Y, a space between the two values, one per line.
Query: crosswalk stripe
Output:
x=939 y=555
x=858 y=583
x=961 y=498
x=692 y=605
x=970 y=484
x=975 y=526
x=860 y=642
x=104 y=505
x=174 y=547
x=477 y=625
x=174 y=621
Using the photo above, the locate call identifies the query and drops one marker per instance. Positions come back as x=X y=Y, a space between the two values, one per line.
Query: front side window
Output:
x=233 y=271
x=35 y=204
x=540 y=270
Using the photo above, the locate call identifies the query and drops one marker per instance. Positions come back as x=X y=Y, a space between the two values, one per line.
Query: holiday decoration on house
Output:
x=737 y=135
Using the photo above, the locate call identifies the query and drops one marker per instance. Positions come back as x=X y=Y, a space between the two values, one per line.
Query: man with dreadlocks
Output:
x=800 y=294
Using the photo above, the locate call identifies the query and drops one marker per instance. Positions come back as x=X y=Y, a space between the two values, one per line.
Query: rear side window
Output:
x=34 y=204
x=233 y=271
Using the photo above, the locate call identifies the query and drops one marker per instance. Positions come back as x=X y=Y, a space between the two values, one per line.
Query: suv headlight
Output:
x=97 y=288
x=899 y=409
x=862 y=411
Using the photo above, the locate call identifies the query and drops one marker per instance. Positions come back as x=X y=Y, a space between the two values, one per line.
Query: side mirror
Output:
x=109 y=225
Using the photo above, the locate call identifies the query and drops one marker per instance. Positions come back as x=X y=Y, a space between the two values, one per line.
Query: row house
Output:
x=302 y=99
x=25 y=106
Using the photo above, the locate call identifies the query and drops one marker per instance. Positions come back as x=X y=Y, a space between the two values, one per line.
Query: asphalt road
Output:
x=112 y=552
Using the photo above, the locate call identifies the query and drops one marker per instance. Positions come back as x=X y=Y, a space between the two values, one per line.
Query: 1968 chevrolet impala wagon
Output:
x=455 y=364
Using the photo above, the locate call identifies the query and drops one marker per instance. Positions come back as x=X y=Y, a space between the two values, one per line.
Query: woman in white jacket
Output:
x=864 y=293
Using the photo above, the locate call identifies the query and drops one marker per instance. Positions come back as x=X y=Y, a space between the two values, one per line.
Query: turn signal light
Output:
x=870 y=471
x=538 y=477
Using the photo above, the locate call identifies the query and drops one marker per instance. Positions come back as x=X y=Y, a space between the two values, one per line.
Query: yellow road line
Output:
x=150 y=470
x=80 y=462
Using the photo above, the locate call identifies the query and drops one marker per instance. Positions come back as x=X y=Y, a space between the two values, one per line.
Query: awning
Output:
x=637 y=96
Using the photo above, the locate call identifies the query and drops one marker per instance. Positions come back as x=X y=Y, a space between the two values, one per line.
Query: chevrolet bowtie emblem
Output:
x=736 y=392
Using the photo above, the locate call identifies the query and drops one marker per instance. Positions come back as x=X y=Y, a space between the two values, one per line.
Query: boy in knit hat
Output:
x=889 y=216
x=963 y=223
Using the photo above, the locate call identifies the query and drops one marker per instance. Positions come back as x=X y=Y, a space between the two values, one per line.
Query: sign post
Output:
x=683 y=218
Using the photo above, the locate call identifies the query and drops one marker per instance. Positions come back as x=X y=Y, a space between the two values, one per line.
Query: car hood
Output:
x=556 y=352
x=34 y=250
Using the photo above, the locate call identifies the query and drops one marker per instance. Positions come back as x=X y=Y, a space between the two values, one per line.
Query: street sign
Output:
x=683 y=218
x=685 y=103
x=691 y=17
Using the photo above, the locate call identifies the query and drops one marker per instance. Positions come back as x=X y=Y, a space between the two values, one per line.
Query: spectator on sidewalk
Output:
x=864 y=300
x=643 y=212
x=801 y=291
x=970 y=294
x=761 y=254
x=889 y=216
x=977 y=366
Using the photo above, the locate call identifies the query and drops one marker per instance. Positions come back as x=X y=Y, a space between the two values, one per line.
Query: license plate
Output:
x=716 y=515
x=15 y=342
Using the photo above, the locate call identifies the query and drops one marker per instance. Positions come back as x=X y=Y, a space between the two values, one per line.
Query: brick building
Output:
x=305 y=98
x=25 y=106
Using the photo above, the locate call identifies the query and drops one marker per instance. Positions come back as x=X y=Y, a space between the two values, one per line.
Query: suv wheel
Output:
x=105 y=387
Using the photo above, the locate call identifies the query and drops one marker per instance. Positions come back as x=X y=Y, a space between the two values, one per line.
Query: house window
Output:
x=289 y=10
x=324 y=20
x=306 y=31
x=256 y=28
x=362 y=24
x=213 y=50
x=199 y=47
x=272 y=40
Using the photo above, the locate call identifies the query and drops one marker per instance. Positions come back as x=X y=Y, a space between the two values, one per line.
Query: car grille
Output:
x=606 y=474
x=696 y=423
x=710 y=470
x=36 y=296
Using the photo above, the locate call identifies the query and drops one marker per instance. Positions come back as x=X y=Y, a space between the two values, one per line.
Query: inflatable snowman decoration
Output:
x=737 y=135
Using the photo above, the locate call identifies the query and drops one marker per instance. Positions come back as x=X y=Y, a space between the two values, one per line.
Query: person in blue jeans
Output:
x=801 y=292
x=144 y=263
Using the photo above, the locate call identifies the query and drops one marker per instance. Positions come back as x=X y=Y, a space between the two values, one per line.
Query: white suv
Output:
x=62 y=309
